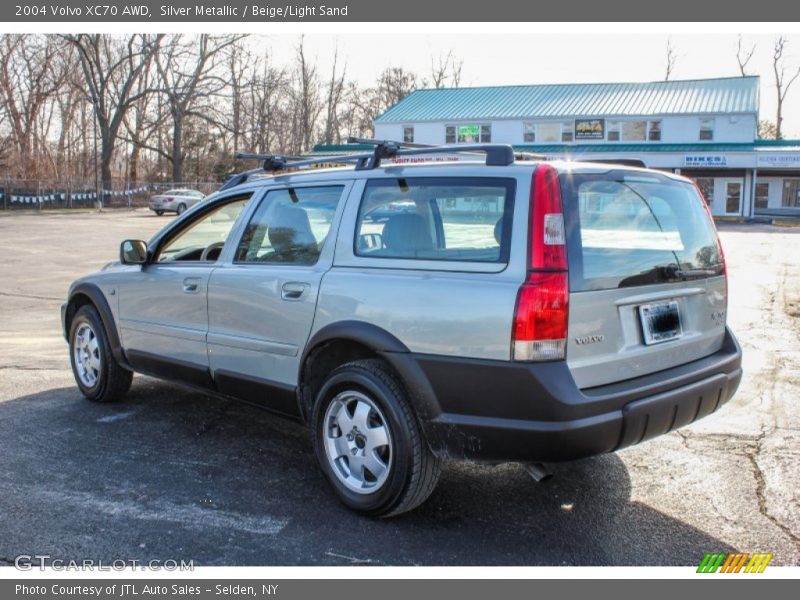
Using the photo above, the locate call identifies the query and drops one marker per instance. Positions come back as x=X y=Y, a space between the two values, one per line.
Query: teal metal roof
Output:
x=616 y=148
x=576 y=149
x=698 y=96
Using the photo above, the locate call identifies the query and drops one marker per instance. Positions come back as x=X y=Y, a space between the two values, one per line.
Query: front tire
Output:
x=181 y=208
x=99 y=376
x=160 y=213
x=369 y=443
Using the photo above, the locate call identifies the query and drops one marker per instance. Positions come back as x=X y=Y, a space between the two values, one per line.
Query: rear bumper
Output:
x=501 y=411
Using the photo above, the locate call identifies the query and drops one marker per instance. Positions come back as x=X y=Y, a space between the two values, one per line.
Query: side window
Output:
x=290 y=226
x=203 y=238
x=447 y=219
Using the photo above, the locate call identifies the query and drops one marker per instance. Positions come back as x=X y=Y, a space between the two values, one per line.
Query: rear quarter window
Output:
x=444 y=219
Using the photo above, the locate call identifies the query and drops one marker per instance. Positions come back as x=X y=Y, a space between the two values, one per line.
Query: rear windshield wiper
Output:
x=665 y=274
x=682 y=273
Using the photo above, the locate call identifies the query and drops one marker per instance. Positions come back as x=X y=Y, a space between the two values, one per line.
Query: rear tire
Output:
x=99 y=376
x=160 y=213
x=369 y=443
x=181 y=208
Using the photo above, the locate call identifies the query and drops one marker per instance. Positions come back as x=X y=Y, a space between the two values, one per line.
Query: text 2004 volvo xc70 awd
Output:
x=498 y=310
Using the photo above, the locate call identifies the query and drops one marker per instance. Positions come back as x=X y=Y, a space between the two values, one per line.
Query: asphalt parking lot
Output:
x=173 y=474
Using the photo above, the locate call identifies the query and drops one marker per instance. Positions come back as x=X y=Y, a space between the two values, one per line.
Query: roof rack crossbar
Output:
x=460 y=148
x=496 y=155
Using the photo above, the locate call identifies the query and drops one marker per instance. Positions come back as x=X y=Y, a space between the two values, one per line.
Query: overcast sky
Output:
x=492 y=59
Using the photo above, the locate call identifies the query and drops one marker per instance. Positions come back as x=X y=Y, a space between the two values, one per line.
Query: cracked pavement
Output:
x=171 y=473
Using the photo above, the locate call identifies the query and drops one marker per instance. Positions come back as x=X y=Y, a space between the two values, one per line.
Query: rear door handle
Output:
x=191 y=285
x=293 y=290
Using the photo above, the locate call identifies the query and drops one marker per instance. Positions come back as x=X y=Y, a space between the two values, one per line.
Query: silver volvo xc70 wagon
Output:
x=505 y=310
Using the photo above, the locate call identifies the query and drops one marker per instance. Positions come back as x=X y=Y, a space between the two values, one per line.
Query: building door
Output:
x=728 y=196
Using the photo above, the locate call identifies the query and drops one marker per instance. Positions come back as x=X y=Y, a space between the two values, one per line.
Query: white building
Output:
x=705 y=129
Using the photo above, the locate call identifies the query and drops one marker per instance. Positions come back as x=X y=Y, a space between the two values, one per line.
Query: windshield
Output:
x=628 y=229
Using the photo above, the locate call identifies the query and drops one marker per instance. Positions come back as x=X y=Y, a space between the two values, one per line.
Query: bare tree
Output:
x=744 y=56
x=189 y=78
x=111 y=68
x=27 y=81
x=241 y=65
x=766 y=130
x=334 y=96
x=672 y=58
x=141 y=122
x=306 y=102
x=394 y=84
x=783 y=82
x=267 y=110
x=446 y=70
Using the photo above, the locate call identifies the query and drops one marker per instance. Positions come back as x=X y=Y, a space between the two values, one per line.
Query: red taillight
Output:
x=542 y=312
x=540 y=321
x=547 y=243
x=169 y=198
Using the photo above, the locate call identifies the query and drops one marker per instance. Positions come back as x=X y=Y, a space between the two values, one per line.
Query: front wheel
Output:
x=160 y=213
x=98 y=374
x=181 y=208
x=369 y=443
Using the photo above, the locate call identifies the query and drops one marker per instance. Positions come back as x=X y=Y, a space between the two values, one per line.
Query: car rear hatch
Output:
x=647 y=285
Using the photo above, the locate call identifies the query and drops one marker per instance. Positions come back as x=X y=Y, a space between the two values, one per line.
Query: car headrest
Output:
x=289 y=229
x=407 y=234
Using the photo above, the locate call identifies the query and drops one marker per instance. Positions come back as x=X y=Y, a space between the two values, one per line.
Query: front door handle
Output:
x=191 y=285
x=293 y=290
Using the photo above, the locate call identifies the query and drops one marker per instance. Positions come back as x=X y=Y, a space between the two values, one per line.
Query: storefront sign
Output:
x=778 y=160
x=469 y=133
x=590 y=129
x=705 y=160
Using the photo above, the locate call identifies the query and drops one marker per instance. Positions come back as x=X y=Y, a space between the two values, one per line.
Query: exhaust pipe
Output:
x=538 y=471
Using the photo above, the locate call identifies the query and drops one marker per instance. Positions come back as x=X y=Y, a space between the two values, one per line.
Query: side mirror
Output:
x=133 y=252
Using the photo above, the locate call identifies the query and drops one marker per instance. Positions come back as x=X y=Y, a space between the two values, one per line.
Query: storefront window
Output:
x=654 y=131
x=633 y=131
x=613 y=131
x=548 y=132
x=528 y=132
x=566 y=132
x=791 y=193
x=467 y=134
x=706 y=129
x=762 y=195
x=408 y=134
x=706 y=187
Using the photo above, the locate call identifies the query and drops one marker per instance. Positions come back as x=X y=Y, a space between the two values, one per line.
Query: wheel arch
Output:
x=345 y=341
x=90 y=294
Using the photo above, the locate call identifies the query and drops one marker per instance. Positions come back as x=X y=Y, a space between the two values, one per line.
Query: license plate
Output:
x=661 y=322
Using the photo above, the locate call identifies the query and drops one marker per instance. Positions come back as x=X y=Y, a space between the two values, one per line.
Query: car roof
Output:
x=440 y=168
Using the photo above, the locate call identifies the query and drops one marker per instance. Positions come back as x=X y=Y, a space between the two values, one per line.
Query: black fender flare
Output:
x=98 y=299
x=387 y=346
x=368 y=334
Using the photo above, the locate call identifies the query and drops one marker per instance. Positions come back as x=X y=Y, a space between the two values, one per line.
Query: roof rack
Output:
x=461 y=149
x=496 y=155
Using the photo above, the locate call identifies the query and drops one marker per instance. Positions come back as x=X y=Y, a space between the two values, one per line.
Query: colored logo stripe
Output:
x=734 y=563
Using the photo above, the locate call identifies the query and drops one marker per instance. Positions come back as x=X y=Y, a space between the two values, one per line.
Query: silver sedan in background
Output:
x=175 y=201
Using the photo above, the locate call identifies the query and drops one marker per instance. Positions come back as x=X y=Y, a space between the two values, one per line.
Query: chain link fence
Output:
x=27 y=194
